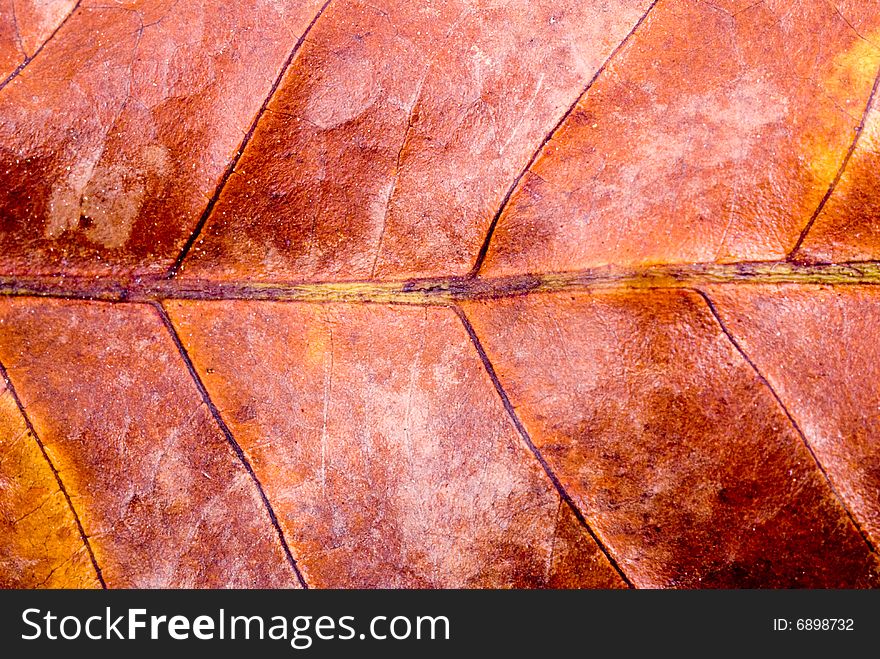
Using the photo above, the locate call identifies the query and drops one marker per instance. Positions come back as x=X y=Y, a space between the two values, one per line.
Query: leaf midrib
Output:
x=449 y=289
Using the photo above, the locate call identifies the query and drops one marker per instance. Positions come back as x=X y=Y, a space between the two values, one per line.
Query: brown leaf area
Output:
x=462 y=293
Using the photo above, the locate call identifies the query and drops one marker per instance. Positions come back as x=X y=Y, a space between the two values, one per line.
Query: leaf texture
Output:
x=465 y=293
x=27 y=25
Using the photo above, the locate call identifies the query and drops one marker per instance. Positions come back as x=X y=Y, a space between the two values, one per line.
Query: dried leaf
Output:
x=453 y=294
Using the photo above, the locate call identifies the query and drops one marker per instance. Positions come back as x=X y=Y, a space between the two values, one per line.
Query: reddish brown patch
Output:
x=815 y=346
x=397 y=132
x=115 y=137
x=160 y=494
x=385 y=447
x=711 y=137
x=679 y=456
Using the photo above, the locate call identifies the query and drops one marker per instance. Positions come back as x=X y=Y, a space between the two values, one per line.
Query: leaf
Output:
x=26 y=27
x=465 y=294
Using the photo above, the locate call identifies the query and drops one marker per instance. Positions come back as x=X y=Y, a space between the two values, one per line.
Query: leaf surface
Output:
x=27 y=25
x=447 y=294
